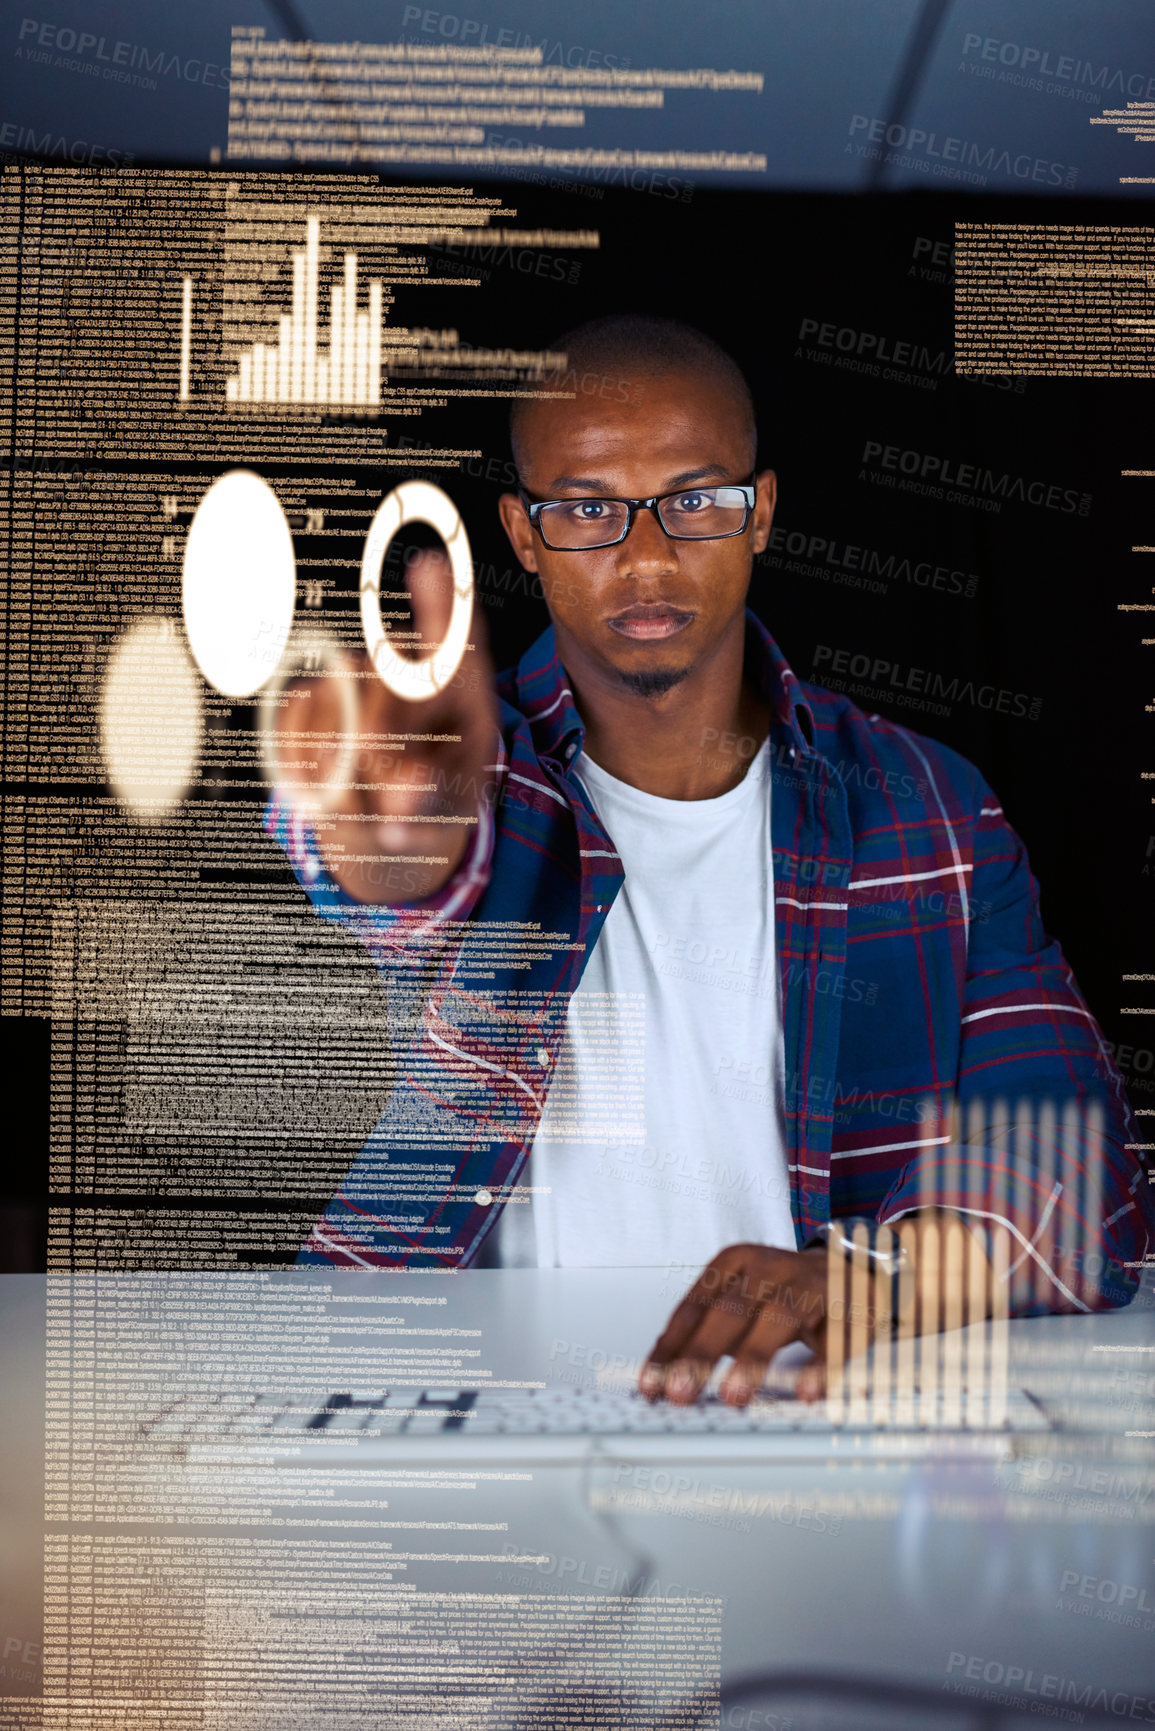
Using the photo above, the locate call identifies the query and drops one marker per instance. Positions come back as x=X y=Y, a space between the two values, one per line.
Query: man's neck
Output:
x=694 y=741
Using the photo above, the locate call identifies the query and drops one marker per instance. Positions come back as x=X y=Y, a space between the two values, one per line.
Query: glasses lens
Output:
x=583 y=522
x=704 y=511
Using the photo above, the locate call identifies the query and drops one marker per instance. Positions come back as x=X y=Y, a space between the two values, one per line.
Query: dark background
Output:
x=750 y=268
x=1043 y=620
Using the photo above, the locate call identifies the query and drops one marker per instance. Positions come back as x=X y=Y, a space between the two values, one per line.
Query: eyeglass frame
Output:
x=534 y=508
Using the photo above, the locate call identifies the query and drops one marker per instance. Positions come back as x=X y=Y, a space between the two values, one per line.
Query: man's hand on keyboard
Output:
x=749 y=1302
x=752 y=1300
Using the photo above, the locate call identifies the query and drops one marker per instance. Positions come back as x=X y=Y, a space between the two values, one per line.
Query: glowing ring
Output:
x=420 y=502
x=301 y=663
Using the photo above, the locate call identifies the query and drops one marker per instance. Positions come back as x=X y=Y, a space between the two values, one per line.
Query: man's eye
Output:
x=589 y=510
x=691 y=502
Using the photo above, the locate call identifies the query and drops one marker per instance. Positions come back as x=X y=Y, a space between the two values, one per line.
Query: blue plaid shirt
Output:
x=919 y=990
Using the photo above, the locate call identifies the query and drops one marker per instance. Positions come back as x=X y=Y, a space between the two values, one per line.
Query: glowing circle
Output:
x=239 y=584
x=151 y=718
x=420 y=502
x=310 y=658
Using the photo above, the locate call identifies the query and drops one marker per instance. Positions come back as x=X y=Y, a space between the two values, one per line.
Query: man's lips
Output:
x=647 y=621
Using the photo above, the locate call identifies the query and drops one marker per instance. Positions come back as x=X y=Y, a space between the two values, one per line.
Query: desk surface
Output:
x=928 y=1572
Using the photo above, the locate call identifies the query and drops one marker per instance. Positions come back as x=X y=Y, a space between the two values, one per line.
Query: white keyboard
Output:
x=401 y=1423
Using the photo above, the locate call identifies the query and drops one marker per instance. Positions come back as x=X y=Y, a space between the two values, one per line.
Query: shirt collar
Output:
x=543 y=694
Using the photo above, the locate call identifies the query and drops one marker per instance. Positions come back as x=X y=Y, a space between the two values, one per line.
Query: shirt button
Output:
x=484 y=1198
x=542 y=1056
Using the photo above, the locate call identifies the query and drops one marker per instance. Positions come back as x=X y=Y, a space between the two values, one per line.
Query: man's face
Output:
x=649 y=611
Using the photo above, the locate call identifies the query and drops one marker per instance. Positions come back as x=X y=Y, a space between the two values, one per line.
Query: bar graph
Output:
x=294 y=368
x=924 y=1344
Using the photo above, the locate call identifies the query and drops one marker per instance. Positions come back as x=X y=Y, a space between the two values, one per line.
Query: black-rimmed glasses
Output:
x=690 y=514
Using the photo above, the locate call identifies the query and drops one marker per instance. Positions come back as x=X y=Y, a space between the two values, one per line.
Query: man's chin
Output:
x=651 y=681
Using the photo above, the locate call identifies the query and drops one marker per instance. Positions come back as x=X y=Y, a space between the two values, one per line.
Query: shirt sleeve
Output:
x=1041 y=1140
x=395 y=931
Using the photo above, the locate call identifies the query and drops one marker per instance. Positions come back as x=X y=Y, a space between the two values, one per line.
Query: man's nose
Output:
x=647 y=550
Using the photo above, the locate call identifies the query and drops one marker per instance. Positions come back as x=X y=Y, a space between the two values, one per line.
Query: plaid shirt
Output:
x=916 y=978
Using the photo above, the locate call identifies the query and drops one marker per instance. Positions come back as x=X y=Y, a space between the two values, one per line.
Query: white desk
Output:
x=916 y=1571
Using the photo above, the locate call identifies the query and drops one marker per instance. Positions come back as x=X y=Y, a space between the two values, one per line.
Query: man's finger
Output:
x=723 y=1326
x=308 y=737
x=429 y=582
x=810 y=1384
x=687 y=1315
x=774 y=1328
x=668 y=1347
x=427 y=588
x=743 y=1283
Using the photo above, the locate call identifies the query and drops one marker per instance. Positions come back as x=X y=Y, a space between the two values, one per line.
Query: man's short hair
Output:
x=612 y=352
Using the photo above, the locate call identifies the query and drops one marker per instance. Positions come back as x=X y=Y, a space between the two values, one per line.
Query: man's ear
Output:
x=519 y=529
x=765 y=500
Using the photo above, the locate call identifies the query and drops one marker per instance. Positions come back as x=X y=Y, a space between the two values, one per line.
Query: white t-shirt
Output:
x=663 y=1137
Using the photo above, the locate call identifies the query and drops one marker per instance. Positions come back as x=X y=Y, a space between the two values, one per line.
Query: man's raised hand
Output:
x=391 y=786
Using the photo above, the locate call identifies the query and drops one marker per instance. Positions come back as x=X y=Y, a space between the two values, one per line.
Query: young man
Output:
x=721 y=952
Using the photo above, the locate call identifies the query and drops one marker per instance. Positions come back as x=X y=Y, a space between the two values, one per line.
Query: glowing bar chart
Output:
x=293 y=369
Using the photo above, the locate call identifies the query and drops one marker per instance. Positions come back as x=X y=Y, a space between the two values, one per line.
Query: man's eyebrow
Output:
x=577 y=481
x=689 y=475
x=596 y=485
